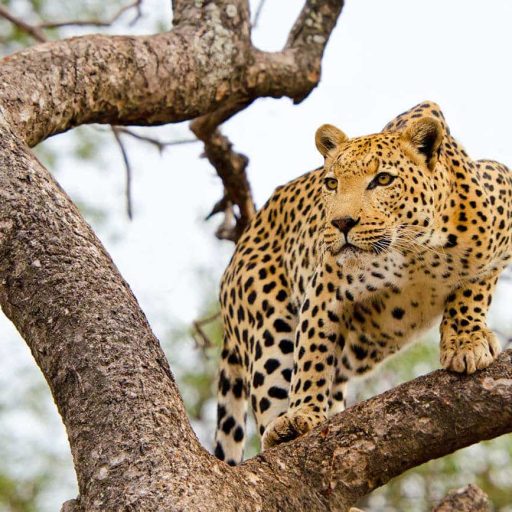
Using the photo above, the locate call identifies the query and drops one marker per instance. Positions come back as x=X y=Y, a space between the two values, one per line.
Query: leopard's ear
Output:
x=425 y=135
x=328 y=137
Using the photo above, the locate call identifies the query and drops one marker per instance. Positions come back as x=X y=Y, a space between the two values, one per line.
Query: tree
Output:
x=132 y=444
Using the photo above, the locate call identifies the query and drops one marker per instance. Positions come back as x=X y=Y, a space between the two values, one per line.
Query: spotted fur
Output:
x=348 y=263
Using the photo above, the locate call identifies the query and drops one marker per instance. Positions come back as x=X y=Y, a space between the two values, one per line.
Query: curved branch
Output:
x=159 y=79
x=370 y=443
x=121 y=80
x=302 y=56
x=231 y=169
x=132 y=444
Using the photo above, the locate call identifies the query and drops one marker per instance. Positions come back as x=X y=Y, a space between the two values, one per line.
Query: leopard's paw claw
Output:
x=290 y=426
x=468 y=352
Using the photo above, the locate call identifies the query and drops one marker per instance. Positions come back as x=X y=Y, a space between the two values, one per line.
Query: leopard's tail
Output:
x=232 y=397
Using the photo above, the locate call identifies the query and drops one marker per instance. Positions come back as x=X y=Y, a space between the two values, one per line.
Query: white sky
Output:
x=383 y=58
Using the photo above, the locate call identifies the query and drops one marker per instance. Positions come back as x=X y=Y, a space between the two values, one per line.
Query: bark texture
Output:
x=466 y=499
x=132 y=444
x=363 y=448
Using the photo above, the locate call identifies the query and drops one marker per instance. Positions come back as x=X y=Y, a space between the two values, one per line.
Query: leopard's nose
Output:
x=344 y=224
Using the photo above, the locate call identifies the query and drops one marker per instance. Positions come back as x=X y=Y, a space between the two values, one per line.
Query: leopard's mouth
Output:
x=346 y=248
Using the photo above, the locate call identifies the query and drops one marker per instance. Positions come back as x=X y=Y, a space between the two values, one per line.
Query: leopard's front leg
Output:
x=467 y=344
x=314 y=361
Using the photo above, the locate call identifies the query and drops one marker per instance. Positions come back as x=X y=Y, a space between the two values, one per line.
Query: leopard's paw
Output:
x=290 y=426
x=469 y=352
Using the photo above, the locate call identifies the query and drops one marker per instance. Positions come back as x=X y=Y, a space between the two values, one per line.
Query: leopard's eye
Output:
x=331 y=183
x=383 y=179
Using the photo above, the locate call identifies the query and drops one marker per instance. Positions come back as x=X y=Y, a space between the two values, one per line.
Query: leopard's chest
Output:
x=381 y=325
x=394 y=302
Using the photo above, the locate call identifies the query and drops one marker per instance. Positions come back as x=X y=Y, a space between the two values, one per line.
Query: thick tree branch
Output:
x=132 y=444
x=376 y=440
x=125 y=80
x=126 y=423
x=168 y=78
x=467 y=499
x=160 y=79
x=301 y=57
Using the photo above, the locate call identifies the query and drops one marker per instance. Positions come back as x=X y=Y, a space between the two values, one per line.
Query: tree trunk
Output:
x=132 y=444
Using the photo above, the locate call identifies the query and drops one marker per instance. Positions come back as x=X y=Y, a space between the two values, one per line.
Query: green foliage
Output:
x=16 y=496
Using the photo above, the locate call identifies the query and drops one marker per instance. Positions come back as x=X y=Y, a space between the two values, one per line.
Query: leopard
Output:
x=344 y=266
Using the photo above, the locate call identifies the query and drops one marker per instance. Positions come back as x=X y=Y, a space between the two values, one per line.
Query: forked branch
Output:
x=132 y=444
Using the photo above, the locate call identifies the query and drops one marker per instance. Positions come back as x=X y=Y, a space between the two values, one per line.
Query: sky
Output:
x=383 y=58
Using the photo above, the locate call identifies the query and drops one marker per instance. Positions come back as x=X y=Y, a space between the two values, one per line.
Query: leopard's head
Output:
x=380 y=190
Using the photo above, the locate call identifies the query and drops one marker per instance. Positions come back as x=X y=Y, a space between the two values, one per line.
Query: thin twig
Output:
x=257 y=14
x=160 y=145
x=128 y=169
x=200 y=337
x=31 y=30
x=37 y=33
x=136 y=4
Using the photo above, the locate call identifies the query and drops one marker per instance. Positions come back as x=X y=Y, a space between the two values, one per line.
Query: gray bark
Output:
x=467 y=499
x=132 y=445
